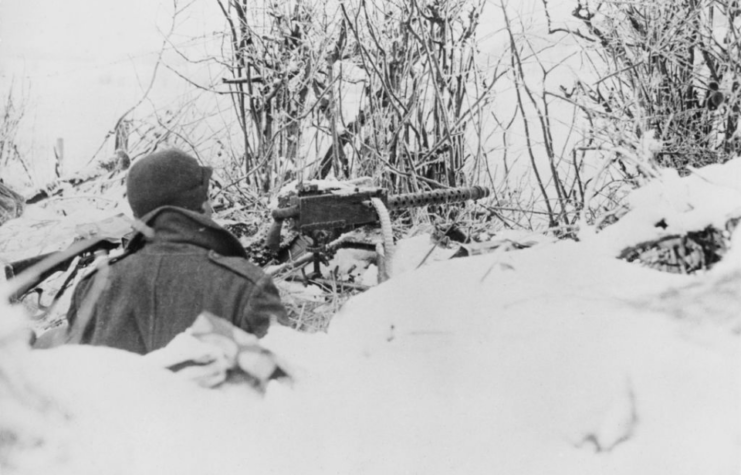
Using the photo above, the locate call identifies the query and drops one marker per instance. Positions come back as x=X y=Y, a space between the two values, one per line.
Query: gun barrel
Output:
x=436 y=197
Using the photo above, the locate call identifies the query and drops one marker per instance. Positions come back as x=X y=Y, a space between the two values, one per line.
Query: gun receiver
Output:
x=314 y=209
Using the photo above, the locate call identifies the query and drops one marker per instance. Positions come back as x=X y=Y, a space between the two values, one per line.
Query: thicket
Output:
x=292 y=67
x=397 y=91
x=668 y=69
x=656 y=86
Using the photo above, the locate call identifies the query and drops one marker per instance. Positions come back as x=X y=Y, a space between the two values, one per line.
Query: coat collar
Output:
x=178 y=225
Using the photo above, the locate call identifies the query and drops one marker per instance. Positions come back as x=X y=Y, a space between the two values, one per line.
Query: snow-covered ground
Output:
x=559 y=359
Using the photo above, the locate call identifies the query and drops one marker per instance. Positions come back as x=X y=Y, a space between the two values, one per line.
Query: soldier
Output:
x=179 y=264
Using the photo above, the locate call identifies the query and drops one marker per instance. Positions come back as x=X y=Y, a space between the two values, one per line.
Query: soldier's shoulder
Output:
x=238 y=265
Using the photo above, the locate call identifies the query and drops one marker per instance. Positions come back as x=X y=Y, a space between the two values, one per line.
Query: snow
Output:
x=329 y=185
x=414 y=251
x=53 y=224
x=556 y=359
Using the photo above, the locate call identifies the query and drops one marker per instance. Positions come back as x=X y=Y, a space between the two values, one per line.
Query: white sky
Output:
x=83 y=63
x=80 y=30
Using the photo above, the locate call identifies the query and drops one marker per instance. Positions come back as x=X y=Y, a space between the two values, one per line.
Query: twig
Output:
x=519 y=76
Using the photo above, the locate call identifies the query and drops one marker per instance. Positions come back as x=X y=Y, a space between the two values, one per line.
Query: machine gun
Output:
x=314 y=209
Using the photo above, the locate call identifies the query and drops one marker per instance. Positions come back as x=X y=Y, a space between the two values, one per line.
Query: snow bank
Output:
x=542 y=362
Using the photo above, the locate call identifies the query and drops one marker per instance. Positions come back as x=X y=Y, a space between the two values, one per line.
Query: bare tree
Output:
x=668 y=68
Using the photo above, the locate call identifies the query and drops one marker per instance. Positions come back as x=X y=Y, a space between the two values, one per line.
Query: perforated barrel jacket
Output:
x=140 y=301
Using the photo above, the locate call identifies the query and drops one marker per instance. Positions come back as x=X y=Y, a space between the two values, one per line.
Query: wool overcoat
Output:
x=182 y=264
